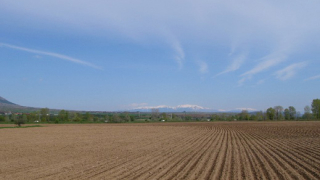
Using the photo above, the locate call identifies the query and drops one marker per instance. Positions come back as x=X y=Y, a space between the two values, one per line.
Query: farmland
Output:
x=206 y=150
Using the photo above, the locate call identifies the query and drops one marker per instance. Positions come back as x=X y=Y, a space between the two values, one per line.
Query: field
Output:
x=207 y=150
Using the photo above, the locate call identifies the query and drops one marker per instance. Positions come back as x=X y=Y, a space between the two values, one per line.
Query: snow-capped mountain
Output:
x=187 y=108
x=179 y=108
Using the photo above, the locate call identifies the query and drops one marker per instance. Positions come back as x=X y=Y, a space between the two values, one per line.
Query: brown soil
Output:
x=217 y=150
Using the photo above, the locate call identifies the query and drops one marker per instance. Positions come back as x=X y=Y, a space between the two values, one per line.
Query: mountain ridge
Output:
x=188 y=108
x=4 y=101
x=6 y=105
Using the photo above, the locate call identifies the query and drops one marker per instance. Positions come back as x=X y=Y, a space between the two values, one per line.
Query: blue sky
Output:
x=117 y=55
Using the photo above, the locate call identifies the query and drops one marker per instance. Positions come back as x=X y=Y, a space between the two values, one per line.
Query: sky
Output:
x=119 y=55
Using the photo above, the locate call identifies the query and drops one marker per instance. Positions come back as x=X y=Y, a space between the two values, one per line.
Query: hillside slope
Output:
x=5 y=102
x=6 y=105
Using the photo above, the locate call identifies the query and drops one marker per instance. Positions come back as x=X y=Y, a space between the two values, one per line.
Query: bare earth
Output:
x=218 y=150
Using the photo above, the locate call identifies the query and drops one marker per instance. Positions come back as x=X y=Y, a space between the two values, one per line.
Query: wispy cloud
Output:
x=60 y=56
x=235 y=65
x=37 y=56
x=261 y=81
x=242 y=80
x=179 y=56
x=267 y=62
x=313 y=78
x=289 y=71
x=203 y=66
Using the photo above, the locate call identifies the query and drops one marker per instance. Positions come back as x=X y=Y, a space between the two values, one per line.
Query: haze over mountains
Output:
x=6 y=105
x=179 y=108
x=186 y=108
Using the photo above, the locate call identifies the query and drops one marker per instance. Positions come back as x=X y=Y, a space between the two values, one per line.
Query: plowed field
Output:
x=217 y=150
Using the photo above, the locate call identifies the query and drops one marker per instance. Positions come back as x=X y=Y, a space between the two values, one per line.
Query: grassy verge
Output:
x=21 y=126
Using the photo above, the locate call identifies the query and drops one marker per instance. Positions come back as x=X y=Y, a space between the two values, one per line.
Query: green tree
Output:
x=315 y=107
x=13 y=117
x=132 y=118
x=292 y=112
x=214 y=117
x=88 y=117
x=77 y=117
x=62 y=115
x=223 y=116
x=154 y=114
x=253 y=117
x=259 y=116
x=286 y=114
x=307 y=113
x=116 y=118
x=32 y=117
x=244 y=115
x=164 y=116
x=107 y=118
x=24 y=118
x=189 y=118
x=126 y=117
x=173 y=116
x=298 y=115
x=71 y=116
x=2 y=118
x=19 y=121
x=278 y=112
x=44 y=112
x=271 y=113
x=7 y=119
x=66 y=116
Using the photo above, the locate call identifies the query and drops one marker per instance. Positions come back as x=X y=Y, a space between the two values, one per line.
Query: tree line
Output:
x=276 y=113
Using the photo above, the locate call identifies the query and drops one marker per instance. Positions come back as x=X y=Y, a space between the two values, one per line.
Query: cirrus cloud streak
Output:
x=56 y=55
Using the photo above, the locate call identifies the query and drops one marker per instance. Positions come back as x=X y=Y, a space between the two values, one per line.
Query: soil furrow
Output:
x=184 y=161
x=202 y=150
x=181 y=149
x=305 y=170
x=276 y=162
x=218 y=163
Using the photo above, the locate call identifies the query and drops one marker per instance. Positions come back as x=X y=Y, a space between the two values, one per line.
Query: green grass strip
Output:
x=21 y=127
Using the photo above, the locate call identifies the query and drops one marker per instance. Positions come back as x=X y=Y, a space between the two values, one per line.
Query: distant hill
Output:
x=6 y=105
x=5 y=102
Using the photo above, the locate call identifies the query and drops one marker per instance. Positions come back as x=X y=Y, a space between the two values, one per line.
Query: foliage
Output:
x=286 y=114
x=292 y=112
x=44 y=112
x=115 y=118
x=278 y=112
x=271 y=113
x=307 y=113
x=63 y=116
x=19 y=121
x=7 y=119
x=244 y=115
x=154 y=114
x=164 y=116
x=259 y=116
x=315 y=107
